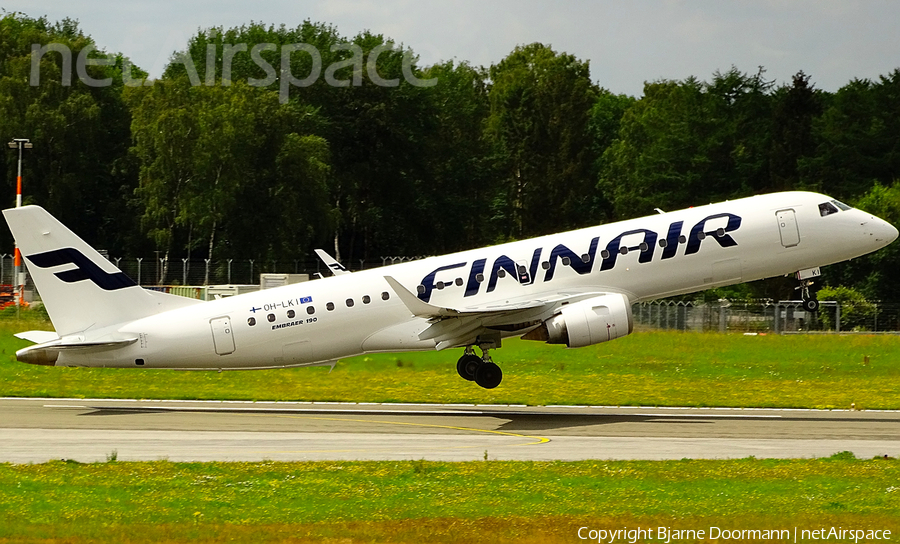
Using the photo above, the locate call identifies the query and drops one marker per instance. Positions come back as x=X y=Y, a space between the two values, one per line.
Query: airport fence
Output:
x=767 y=316
x=154 y=271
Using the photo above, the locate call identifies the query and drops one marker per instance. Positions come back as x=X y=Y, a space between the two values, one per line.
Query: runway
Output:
x=88 y=430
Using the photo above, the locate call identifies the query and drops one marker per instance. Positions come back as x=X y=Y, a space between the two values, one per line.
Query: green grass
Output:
x=646 y=368
x=442 y=502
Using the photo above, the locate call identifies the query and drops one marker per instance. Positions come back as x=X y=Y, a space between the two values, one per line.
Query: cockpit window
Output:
x=827 y=208
x=841 y=205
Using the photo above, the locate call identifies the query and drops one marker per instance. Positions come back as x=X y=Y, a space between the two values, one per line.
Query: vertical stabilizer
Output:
x=79 y=287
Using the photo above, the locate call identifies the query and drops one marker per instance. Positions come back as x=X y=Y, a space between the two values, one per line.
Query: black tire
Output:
x=811 y=305
x=488 y=375
x=467 y=365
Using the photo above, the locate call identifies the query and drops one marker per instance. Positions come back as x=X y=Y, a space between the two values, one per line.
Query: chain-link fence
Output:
x=189 y=277
x=152 y=271
x=787 y=316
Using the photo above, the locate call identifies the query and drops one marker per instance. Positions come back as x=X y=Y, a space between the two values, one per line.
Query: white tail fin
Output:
x=80 y=288
x=336 y=268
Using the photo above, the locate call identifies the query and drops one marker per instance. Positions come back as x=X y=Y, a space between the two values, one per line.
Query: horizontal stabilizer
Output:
x=48 y=352
x=38 y=337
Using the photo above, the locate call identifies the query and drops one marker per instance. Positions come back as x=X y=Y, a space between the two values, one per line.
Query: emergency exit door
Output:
x=222 y=335
x=787 y=227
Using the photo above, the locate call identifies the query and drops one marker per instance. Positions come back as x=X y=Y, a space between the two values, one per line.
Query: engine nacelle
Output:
x=591 y=321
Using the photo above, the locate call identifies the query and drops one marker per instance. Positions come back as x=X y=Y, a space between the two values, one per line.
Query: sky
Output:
x=627 y=42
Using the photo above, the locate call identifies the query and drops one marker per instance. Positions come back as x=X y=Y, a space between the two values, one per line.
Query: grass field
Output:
x=490 y=501
x=646 y=368
x=420 y=501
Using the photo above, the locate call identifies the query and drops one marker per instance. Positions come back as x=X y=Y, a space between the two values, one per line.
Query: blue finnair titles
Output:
x=583 y=263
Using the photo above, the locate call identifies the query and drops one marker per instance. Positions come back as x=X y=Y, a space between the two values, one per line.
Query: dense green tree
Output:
x=455 y=192
x=376 y=123
x=657 y=159
x=227 y=163
x=686 y=143
x=79 y=167
x=794 y=110
x=538 y=125
x=355 y=147
x=857 y=137
x=606 y=119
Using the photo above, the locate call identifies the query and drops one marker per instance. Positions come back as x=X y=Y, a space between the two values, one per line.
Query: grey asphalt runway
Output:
x=86 y=430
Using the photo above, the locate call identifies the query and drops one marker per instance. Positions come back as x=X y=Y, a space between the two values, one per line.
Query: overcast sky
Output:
x=626 y=42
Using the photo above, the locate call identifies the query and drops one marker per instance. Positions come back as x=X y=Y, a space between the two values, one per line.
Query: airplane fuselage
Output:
x=641 y=259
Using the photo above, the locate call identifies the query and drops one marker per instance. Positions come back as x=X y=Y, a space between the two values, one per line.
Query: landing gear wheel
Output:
x=488 y=375
x=811 y=305
x=467 y=365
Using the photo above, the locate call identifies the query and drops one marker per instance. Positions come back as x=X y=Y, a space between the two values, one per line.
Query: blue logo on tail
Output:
x=85 y=269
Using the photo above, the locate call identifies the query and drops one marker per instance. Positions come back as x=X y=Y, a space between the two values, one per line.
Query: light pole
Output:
x=21 y=144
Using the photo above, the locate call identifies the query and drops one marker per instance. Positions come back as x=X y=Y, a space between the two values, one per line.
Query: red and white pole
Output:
x=21 y=144
x=20 y=288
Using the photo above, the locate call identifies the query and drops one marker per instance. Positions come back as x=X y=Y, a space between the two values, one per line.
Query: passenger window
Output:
x=663 y=242
x=310 y=310
x=349 y=302
x=827 y=208
x=585 y=258
x=291 y=314
x=367 y=299
x=566 y=261
x=459 y=282
x=251 y=321
x=385 y=295
x=604 y=254
x=682 y=239
x=479 y=278
x=501 y=273
x=329 y=306
x=271 y=318
x=545 y=265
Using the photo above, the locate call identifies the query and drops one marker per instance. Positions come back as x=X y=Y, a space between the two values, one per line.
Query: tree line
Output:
x=219 y=159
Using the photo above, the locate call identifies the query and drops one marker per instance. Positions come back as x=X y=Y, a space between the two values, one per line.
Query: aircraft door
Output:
x=223 y=339
x=787 y=227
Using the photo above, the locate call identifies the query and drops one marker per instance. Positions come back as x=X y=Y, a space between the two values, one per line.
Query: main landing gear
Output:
x=482 y=370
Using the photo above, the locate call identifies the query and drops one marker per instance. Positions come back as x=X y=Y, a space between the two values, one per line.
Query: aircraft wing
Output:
x=455 y=326
x=336 y=268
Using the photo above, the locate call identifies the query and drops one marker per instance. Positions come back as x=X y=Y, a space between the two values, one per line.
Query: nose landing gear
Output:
x=810 y=303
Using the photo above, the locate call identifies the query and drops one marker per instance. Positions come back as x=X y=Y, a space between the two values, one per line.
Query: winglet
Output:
x=416 y=306
x=336 y=268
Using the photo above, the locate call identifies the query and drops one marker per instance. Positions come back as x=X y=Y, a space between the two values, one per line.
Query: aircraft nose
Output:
x=883 y=232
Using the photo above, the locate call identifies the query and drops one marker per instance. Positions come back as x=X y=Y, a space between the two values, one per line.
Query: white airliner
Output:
x=574 y=288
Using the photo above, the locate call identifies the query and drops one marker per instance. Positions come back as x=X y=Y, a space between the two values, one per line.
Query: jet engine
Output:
x=591 y=321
